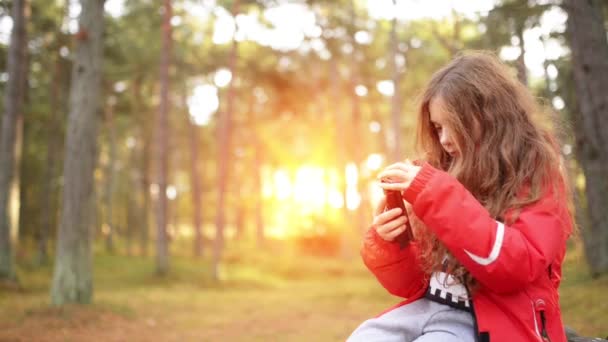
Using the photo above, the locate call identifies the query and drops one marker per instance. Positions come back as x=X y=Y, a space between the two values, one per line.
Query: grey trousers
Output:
x=421 y=321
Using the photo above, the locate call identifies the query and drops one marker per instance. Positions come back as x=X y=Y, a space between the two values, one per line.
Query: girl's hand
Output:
x=388 y=224
x=398 y=176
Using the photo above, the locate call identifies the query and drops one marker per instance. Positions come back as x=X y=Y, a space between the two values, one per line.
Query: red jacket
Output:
x=518 y=267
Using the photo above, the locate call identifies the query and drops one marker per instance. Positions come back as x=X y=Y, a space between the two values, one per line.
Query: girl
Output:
x=489 y=208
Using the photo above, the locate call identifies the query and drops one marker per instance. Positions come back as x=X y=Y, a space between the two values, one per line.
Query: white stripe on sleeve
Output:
x=500 y=234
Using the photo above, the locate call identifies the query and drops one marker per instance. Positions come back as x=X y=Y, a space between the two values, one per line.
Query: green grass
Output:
x=270 y=295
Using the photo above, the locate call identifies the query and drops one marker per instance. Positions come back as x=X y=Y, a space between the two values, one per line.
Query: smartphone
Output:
x=395 y=200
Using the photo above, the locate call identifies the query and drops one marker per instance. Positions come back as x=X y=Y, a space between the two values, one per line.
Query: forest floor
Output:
x=263 y=297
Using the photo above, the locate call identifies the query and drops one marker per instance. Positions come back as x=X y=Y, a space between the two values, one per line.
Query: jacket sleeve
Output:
x=398 y=270
x=502 y=257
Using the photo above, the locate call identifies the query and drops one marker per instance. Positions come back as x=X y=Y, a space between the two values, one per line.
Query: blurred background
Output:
x=204 y=170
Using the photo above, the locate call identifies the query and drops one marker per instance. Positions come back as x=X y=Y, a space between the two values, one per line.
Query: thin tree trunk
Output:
x=144 y=232
x=110 y=176
x=342 y=150
x=239 y=222
x=162 y=248
x=587 y=36
x=133 y=204
x=48 y=209
x=522 y=71
x=397 y=154
x=259 y=199
x=144 y=166
x=224 y=150
x=16 y=195
x=72 y=278
x=356 y=133
x=195 y=183
x=339 y=141
x=134 y=199
x=13 y=106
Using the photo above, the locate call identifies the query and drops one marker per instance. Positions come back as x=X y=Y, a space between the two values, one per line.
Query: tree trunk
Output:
x=72 y=278
x=259 y=199
x=144 y=232
x=587 y=36
x=195 y=183
x=144 y=166
x=13 y=106
x=48 y=207
x=396 y=154
x=342 y=150
x=224 y=151
x=356 y=133
x=522 y=71
x=133 y=201
x=110 y=175
x=162 y=250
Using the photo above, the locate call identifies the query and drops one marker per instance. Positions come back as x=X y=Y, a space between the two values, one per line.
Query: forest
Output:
x=205 y=170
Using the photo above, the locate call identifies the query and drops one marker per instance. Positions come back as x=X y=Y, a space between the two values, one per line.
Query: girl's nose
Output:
x=444 y=138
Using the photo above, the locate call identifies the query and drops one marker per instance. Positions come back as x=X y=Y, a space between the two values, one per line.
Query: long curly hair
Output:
x=506 y=159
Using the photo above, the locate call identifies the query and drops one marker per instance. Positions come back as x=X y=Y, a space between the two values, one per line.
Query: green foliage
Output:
x=266 y=294
x=291 y=108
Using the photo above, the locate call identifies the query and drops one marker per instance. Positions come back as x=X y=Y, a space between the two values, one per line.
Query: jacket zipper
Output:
x=539 y=307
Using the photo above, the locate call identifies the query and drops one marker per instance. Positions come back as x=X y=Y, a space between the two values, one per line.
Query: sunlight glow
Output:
x=222 y=77
x=6 y=26
x=309 y=188
x=433 y=9
x=374 y=161
x=176 y=20
x=223 y=29
x=203 y=103
x=290 y=24
x=171 y=192
x=115 y=8
x=70 y=24
x=558 y=103
x=552 y=71
x=363 y=37
x=282 y=185
x=311 y=191
x=361 y=90
x=154 y=190
x=353 y=199
x=335 y=198
x=352 y=174
x=375 y=127
x=509 y=53
x=386 y=87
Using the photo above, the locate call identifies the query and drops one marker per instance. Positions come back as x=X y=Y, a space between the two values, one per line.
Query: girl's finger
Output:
x=386 y=216
x=394 y=174
x=394 y=186
x=387 y=228
x=396 y=232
